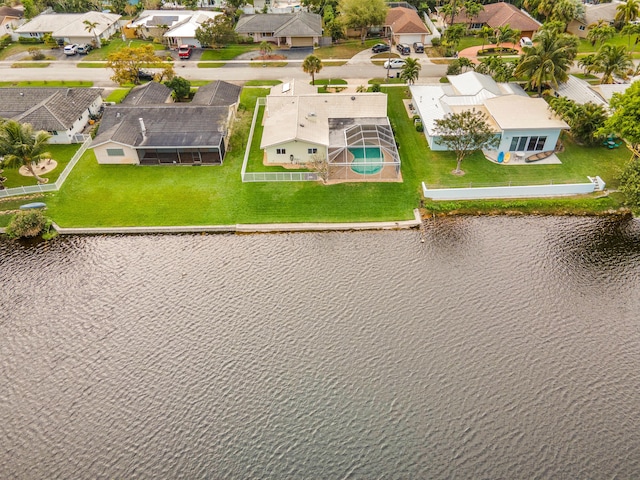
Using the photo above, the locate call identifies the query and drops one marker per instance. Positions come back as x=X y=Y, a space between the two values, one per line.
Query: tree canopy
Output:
x=625 y=117
x=21 y=146
x=464 y=133
x=312 y=65
x=216 y=32
x=362 y=14
x=411 y=70
x=127 y=62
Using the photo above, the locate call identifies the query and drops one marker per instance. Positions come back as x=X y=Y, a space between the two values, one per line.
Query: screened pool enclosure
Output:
x=362 y=151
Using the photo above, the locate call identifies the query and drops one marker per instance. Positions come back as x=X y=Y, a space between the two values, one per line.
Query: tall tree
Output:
x=588 y=63
x=21 y=146
x=585 y=120
x=625 y=117
x=181 y=87
x=411 y=70
x=627 y=11
x=362 y=14
x=472 y=9
x=600 y=31
x=506 y=34
x=613 y=60
x=265 y=49
x=629 y=30
x=92 y=27
x=548 y=60
x=312 y=65
x=216 y=32
x=485 y=34
x=127 y=62
x=464 y=133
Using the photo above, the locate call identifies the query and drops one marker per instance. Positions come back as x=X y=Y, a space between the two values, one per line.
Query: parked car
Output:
x=380 y=47
x=84 y=48
x=394 y=63
x=185 y=51
x=71 y=49
x=404 y=49
x=142 y=75
x=418 y=47
x=526 y=42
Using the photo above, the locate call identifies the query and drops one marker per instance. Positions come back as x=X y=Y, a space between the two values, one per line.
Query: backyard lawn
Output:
x=60 y=153
x=112 y=195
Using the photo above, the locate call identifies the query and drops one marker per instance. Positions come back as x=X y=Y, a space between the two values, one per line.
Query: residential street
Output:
x=358 y=68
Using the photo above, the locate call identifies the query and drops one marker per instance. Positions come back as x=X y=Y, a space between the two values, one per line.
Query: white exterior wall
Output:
x=552 y=135
x=130 y=155
x=508 y=192
x=61 y=137
x=297 y=149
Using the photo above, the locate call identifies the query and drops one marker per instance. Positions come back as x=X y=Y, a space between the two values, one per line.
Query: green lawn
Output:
x=118 y=95
x=60 y=153
x=344 y=50
x=111 y=195
x=31 y=65
x=229 y=52
x=116 y=44
x=262 y=83
x=15 y=48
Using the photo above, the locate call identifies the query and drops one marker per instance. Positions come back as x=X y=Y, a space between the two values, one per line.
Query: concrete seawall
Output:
x=247 y=228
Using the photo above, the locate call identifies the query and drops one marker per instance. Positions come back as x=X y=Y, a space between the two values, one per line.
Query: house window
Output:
x=527 y=144
x=115 y=152
x=311 y=151
x=582 y=28
x=53 y=132
x=267 y=34
x=281 y=151
x=476 y=26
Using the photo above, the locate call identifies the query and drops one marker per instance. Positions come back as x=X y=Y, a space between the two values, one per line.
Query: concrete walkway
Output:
x=472 y=52
x=248 y=228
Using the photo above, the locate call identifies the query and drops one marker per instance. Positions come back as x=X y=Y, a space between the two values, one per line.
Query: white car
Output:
x=526 y=42
x=71 y=49
x=394 y=63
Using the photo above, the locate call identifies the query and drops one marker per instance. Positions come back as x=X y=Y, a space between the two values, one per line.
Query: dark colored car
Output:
x=404 y=49
x=380 y=47
x=142 y=75
x=418 y=47
x=84 y=48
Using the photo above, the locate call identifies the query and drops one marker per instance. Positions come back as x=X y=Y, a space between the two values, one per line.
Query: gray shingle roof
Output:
x=299 y=24
x=151 y=93
x=10 y=12
x=218 y=94
x=169 y=125
x=50 y=109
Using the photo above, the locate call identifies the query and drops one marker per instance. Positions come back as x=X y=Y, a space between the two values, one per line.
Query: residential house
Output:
x=592 y=14
x=581 y=91
x=274 y=6
x=63 y=112
x=497 y=15
x=524 y=125
x=142 y=132
x=10 y=19
x=177 y=27
x=70 y=27
x=301 y=29
x=406 y=26
x=350 y=131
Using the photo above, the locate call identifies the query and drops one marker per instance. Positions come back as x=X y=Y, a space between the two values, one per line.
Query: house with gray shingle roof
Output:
x=63 y=112
x=152 y=93
x=300 y=29
x=10 y=19
x=141 y=133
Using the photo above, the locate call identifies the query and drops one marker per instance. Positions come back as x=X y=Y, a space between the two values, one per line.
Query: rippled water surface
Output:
x=498 y=348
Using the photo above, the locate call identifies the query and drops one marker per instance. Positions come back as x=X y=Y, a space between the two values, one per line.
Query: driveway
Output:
x=472 y=52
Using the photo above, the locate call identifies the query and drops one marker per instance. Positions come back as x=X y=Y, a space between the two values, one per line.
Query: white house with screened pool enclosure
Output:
x=527 y=128
x=350 y=131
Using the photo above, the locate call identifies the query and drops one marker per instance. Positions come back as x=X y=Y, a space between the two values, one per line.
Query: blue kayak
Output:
x=30 y=206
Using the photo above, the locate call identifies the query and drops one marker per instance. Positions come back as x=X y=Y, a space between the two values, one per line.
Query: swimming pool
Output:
x=364 y=157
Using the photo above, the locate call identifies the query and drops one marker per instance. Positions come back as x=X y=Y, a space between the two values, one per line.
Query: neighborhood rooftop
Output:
x=69 y=24
x=281 y=24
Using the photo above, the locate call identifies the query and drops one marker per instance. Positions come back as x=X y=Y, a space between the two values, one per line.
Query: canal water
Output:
x=498 y=348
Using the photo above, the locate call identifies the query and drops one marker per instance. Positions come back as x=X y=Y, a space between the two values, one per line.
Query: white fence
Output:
x=524 y=191
x=49 y=187
x=269 y=176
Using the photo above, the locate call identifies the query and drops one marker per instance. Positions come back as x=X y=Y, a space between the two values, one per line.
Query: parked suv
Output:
x=71 y=49
x=418 y=47
x=526 y=42
x=380 y=47
x=185 y=51
x=404 y=49
x=84 y=48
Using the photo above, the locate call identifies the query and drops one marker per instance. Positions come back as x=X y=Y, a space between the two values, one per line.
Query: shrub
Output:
x=245 y=40
x=436 y=41
x=28 y=223
x=454 y=68
x=419 y=127
x=375 y=87
x=30 y=41
x=36 y=53
x=5 y=40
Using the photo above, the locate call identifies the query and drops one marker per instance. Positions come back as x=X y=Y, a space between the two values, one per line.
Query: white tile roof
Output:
x=69 y=24
x=579 y=91
x=187 y=29
x=514 y=112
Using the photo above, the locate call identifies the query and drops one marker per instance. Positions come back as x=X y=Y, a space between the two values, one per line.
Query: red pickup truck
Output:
x=185 y=51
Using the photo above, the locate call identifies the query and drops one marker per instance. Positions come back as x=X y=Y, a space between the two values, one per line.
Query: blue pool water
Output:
x=363 y=157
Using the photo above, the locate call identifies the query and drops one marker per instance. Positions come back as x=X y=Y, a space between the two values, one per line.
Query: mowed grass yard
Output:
x=113 y=195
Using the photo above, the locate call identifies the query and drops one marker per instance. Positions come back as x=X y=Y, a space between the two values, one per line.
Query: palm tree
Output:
x=627 y=11
x=613 y=60
x=485 y=33
x=548 y=61
x=411 y=70
x=312 y=65
x=600 y=31
x=265 y=49
x=21 y=146
x=91 y=28
x=588 y=63
x=506 y=34
x=629 y=30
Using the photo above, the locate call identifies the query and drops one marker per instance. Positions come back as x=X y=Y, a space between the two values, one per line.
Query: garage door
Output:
x=302 y=41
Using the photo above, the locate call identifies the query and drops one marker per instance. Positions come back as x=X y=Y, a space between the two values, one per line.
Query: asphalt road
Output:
x=356 y=69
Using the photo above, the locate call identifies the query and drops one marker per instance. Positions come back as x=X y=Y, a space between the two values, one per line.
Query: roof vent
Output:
x=353 y=98
x=312 y=114
x=22 y=94
x=302 y=124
